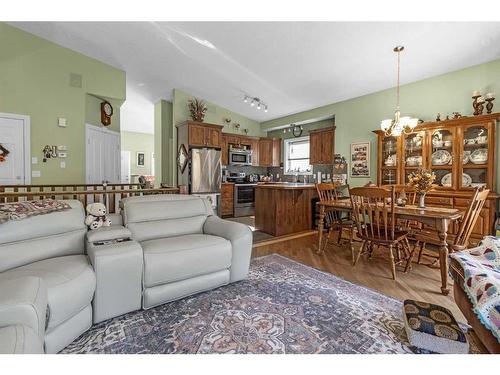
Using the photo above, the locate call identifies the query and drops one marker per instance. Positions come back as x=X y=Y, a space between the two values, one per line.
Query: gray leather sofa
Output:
x=187 y=249
x=55 y=279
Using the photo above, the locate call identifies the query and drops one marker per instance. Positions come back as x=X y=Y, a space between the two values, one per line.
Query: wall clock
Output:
x=106 y=113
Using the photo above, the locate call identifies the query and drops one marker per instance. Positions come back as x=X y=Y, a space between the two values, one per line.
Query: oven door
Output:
x=244 y=200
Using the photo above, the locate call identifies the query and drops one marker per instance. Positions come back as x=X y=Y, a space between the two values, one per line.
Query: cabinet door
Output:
x=388 y=160
x=476 y=150
x=224 y=150
x=414 y=153
x=212 y=137
x=276 y=152
x=227 y=199
x=327 y=146
x=196 y=135
x=255 y=152
x=443 y=153
x=265 y=152
x=315 y=148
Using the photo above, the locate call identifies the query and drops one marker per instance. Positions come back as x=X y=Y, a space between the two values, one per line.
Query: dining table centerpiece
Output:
x=422 y=180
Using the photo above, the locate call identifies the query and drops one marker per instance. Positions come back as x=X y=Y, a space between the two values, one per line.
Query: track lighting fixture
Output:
x=255 y=102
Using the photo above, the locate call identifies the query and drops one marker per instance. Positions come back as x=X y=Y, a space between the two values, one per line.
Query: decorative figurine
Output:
x=475 y=96
x=489 y=106
x=438 y=117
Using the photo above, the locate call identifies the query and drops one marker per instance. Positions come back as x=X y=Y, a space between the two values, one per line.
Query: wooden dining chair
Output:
x=334 y=219
x=373 y=212
x=460 y=241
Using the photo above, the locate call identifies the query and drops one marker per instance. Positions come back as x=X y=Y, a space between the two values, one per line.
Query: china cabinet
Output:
x=460 y=152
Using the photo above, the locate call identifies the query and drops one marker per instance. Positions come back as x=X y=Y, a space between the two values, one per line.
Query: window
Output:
x=297 y=156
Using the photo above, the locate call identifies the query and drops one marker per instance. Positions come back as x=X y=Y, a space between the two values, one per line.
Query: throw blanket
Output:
x=22 y=210
x=482 y=281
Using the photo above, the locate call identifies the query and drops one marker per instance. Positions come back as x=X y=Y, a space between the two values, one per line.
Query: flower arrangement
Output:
x=197 y=107
x=422 y=180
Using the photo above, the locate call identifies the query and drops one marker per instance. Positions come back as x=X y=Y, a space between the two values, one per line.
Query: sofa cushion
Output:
x=42 y=237
x=70 y=283
x=182 y=257
x=159 y=216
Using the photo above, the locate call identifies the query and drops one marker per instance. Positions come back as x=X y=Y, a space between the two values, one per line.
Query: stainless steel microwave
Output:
x=240 y=157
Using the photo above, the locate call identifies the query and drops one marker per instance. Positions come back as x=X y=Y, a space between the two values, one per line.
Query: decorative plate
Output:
x=466 y=180
x=441 y=157
x=466 y=157
x=480 y=156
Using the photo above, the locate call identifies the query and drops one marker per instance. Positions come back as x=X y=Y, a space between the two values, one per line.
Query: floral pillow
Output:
x=23 y=210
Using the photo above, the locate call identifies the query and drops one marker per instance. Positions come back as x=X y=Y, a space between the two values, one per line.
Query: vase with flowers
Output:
x=422 y=181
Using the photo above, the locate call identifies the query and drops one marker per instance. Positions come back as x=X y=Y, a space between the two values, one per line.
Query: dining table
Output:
x=435 y=218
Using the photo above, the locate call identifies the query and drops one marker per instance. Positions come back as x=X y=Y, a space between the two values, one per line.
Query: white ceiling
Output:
x=291 y=66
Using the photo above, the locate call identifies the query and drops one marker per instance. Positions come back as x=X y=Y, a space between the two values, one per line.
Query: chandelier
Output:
x=399 y=124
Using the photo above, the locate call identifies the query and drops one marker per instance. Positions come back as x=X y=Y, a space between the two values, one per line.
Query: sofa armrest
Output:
x=23 y=301
x=241 y=240
x=20 y=340
x=118 y=269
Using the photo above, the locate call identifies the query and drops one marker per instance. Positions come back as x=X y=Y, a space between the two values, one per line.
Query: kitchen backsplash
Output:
x=275 y=171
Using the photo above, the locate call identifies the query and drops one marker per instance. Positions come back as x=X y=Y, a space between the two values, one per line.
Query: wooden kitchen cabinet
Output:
x=202 y=135
x=224 y=150
x=269 y=152
x=321 y=149
x=227 y=199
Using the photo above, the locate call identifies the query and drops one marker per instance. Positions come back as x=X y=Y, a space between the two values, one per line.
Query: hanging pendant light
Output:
x=399 y=124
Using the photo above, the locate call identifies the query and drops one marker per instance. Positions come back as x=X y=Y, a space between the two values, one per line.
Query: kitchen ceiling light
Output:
x=399 y=124
x=255 y=102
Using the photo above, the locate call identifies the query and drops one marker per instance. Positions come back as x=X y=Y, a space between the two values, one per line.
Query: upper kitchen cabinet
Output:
x=202 y=135
x=321 y=149
x=269 y=152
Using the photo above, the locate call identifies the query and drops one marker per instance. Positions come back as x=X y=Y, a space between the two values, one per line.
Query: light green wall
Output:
x=138 y=142
x=214 y=115
x=356 y=118
x=93 y=111
x=35 y=81
x=163 y=143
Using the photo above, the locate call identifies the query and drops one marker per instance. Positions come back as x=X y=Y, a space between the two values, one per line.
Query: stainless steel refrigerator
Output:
x=206 y=174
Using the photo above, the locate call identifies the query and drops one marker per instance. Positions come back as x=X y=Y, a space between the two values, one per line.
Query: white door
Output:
x=125 y=167
x=14 y=138
x=102 y=156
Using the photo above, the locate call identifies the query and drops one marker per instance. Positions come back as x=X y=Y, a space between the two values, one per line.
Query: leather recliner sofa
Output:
x=56 y=279
x=187 y=249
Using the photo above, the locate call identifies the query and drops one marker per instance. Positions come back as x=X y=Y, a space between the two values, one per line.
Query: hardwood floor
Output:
x=421 y=283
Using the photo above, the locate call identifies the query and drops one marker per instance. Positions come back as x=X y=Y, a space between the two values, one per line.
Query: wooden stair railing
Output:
x=110 y=197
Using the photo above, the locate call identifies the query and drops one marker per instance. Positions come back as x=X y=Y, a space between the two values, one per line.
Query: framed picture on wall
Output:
x=140 y=159
x=360 y=159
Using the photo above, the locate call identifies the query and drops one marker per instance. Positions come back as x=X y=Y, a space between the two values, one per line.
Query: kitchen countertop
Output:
x=286 y=186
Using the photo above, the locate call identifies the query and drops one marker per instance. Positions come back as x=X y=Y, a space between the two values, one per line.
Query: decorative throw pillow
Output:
x=23 y=210
x=434 y=328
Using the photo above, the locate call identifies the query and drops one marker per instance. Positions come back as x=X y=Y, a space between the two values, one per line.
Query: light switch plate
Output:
x=62 y=148
x=34 y=160
x=61 y=121
x=62 y=154
x=63 y=164
x=36 y=173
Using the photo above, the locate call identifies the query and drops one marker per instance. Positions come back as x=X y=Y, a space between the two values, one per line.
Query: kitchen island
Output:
x=284 y=208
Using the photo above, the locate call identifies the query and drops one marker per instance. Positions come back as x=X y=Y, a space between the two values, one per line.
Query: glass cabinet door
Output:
x=389 y=167
x=441 y=157
x=413 y=153
x=475 y=158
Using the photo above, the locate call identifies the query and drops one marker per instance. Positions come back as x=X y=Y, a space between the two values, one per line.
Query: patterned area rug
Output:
x=283 y=307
